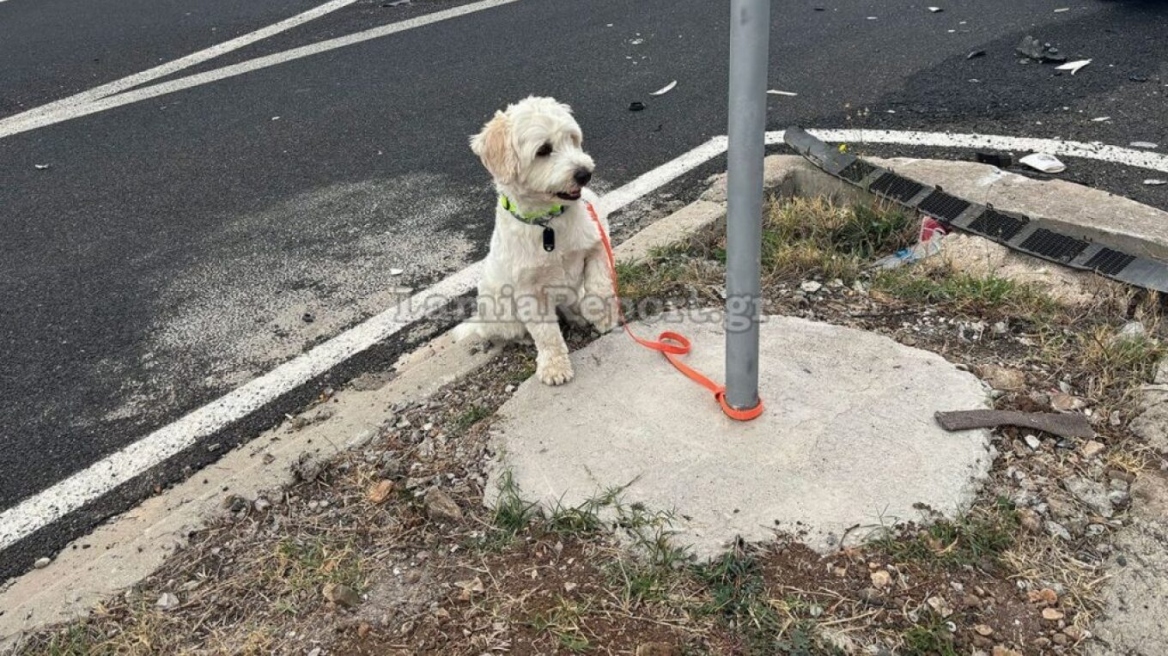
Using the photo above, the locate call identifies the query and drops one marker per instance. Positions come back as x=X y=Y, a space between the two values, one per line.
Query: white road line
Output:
x=103 y=476
x=35 y=119
x=193 y=59
x=98 y=479
x=1097 y=151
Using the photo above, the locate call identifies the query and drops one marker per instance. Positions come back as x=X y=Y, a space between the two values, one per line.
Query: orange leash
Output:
x=670 y=344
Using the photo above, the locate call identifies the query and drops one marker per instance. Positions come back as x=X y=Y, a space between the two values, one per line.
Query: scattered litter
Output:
x=275 y=118
x=665 y=89
x=636 y=106
x=1144 y=144
x=994 y=159
x=776 y=92
x=1074 y=66
x=1063 y=425
x=928 y=244
x=42 y=167
x=871 y=18
x=1034 y=49
x=396 y=3
x=811 y=286
x=1100 y=119
x=1137 y=78
x=1155 y=182
x=636 y=42
x=975 y=54
x=1043 y=162
x=396 y=272
x=168 y=601
x=1061 y=10
x=42 y=562
x=936 y=10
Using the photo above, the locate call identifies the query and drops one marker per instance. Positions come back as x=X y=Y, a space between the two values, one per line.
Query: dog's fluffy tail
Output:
x=466 y=330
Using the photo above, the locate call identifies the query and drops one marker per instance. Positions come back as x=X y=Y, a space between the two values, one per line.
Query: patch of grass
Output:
x=306 y=563
x=470 y=417
x=1118 y=364
x=965 y=293
x=525 y=371
x=513 y=515
x=980 y=538
x=739 y=598
x=930 y=637
x=563 y=622
x=804 y=236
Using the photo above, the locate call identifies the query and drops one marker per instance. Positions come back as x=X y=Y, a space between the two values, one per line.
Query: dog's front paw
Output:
x=555 y=370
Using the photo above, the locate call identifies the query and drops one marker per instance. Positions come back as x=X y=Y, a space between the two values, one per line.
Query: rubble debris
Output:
x=1043 y=162
x=1032 y=48
x=1074 y=66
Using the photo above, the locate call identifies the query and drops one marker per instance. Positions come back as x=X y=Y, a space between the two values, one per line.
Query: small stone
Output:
x=1058 y=530
x=1002 y=378
x=811 y=286
x=364 y=629
x=1063 y=402
x=1060 y=639
x=167 y=601
x=1074 y=633
x=1091 y=493
x=380 y=491
x=657 y=649
x=569 y=586
x=341 y=595
x=470 y=588
x=1044 y=596
x=983 y=629
x=1030 y=520
x=261 y=504
x=1002 y=650
x=971 y=601
x=42 y=563
x=440 y=506
x=1033 y=442
x=1091 y=449
x=316 y=651
x=939 y=605
x=1001 y=328
x=1131 y=331
x=1052 y=614
x=881 y=579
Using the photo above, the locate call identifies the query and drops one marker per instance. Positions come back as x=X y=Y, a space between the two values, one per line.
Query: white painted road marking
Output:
x=103 y=476
x=1097 y=151
x=48 y=115
x=193 y=59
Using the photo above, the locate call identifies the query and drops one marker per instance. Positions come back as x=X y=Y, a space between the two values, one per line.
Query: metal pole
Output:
x=750 y=22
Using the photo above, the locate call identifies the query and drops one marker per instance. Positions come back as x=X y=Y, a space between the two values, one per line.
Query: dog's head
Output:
x=534 y=148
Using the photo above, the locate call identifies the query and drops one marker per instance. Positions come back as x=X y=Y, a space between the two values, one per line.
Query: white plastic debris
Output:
x=1073 y=67
x=396 y=272
x=1100 y=119
x=665 y=89
x=1155 y=182
x=776 y=92
x=1061 y=10
x=936 y=9
x=42 y=167
x=1043 y=162
x=1144 y=144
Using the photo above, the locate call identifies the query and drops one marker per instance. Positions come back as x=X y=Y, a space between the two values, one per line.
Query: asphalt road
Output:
x=177 y=247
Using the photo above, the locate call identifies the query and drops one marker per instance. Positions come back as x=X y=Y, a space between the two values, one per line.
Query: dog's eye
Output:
x=544 y=150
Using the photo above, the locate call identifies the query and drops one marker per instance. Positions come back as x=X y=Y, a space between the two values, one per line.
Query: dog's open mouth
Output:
x=569 y=195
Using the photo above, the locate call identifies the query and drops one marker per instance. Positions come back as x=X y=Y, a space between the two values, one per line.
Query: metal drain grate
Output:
x=941 y=205
x=1053 y=245
x=895 y=187
x=857 y=170
x=1109 y=262
x=996 y=225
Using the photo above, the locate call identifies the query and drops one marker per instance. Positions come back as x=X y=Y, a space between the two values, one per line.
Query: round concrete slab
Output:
x=848 y=438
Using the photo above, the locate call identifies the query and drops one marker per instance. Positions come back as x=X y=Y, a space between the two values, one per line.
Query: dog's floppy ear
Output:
x=493 y=146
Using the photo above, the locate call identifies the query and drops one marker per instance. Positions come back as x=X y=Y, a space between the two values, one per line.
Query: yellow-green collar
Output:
x=530 y=219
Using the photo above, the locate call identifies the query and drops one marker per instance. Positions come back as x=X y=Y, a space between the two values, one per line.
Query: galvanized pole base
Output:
x=749 y=48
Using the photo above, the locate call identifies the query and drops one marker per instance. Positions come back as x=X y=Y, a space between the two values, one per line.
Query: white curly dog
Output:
x=546 y=252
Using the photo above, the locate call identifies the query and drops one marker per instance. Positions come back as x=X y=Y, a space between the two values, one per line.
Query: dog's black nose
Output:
x=582 y=176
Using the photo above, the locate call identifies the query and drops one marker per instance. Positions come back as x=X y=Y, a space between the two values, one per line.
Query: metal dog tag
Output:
x=549 y=239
